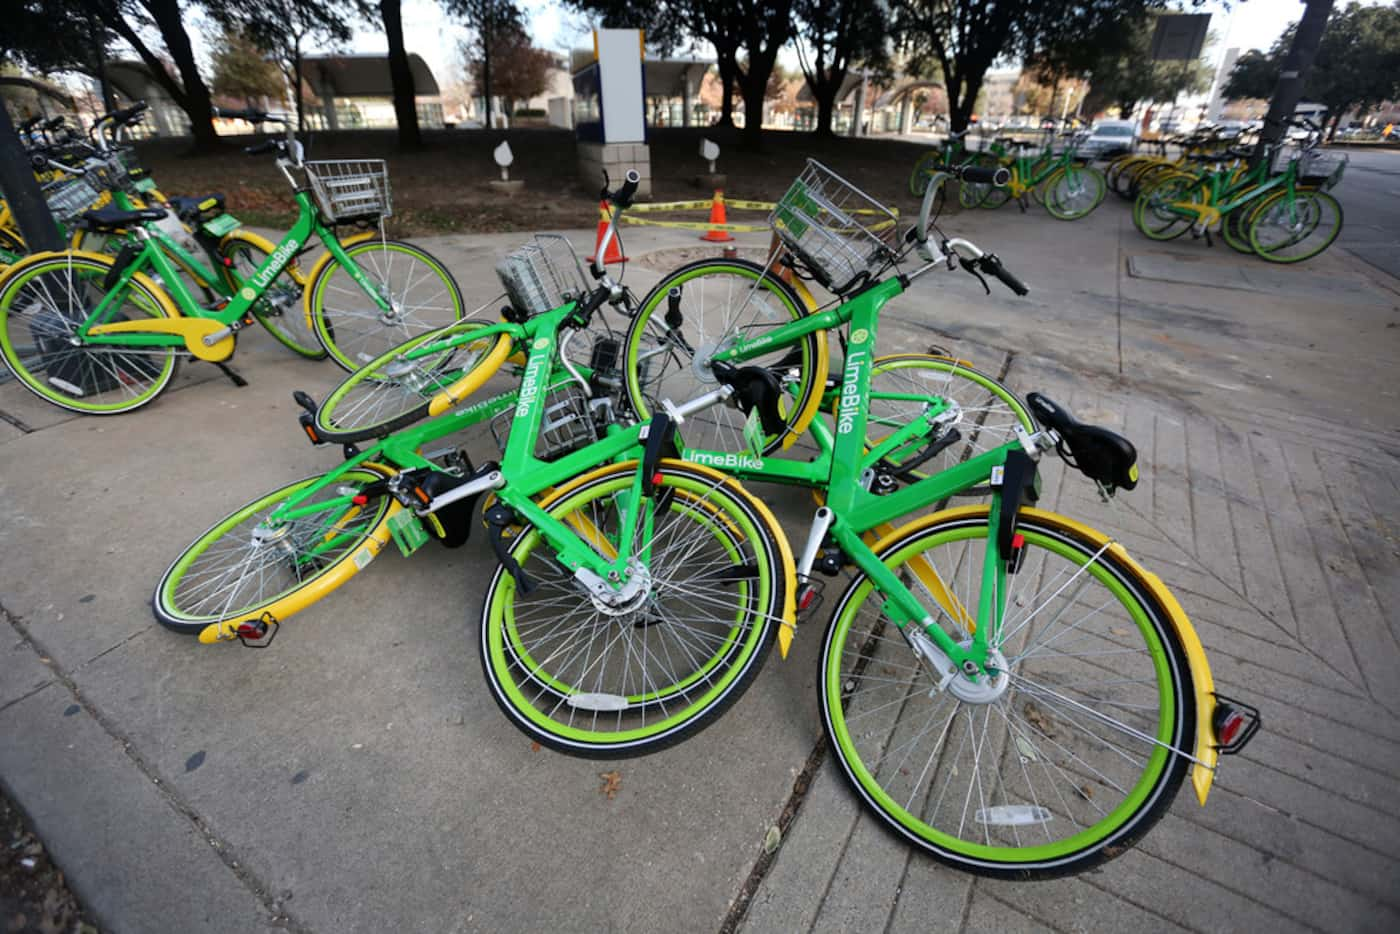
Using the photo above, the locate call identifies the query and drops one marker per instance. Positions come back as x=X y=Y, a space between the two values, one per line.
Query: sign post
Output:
x=609 y=110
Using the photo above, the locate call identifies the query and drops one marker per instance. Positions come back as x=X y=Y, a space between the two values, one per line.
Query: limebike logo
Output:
x=731 y=461
x=279 y=258
x=530 y=387
x=850 y=393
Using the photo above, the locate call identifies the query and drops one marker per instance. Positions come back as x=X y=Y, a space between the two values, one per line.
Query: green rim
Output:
x=654 y=305
x=984 y=419
x=442 y=301
x=1309 y=207
x=1082 y=845
x=751 y=631
x=388 y=393
x=139 y=299
x=170 y=614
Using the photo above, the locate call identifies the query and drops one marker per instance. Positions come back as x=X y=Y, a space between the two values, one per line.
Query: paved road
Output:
x=1370 y=195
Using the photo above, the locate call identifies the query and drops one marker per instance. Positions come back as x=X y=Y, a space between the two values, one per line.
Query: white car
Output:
x=1108 y=138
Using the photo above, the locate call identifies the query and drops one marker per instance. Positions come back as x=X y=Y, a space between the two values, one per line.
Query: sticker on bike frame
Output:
x=218 y=226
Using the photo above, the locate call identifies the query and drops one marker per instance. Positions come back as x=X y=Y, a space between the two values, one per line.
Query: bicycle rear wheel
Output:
x=280 y=308
x=990 y=412
x=245 y=566
x=44 y=300
x=1073 y=192
x=592 y=679
x=721 y=302
x=1051 y=769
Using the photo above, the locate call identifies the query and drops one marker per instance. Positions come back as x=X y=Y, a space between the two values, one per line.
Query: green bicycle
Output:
x=965 y=680
x=98 y=334
x=1067 y=188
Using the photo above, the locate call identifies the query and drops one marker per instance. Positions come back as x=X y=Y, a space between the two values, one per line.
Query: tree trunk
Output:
x=22 y=193
x=728 y=64
x=401 y=76
x=296 y=84
x=486 y=78
x=1332 y=131
x=1292 y=76
x=825 y=95
x=193 y=95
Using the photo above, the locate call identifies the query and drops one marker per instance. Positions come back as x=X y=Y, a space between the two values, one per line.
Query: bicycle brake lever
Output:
x=972 y=270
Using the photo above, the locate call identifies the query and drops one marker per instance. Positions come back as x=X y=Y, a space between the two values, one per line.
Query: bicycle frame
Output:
x=234 y=314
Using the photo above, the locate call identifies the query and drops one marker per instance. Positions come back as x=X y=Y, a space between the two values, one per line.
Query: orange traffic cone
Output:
x=614 y=254
x=715 y=235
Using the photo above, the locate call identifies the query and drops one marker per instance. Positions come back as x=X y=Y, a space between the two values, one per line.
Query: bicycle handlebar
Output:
x=982 y=175
x=267 y=145
x=991 y=265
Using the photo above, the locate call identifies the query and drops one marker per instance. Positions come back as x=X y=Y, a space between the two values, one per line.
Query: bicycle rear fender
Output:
x=788 y=626
x=1202 y=684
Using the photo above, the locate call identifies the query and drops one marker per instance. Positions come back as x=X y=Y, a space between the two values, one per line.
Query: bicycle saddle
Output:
x=190 y=208
x=116 y=218
x=1097 y=453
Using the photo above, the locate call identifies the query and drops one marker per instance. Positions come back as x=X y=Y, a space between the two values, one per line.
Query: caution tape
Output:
x=664 y=206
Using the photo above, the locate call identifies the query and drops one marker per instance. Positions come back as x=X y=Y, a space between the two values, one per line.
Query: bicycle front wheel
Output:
x=721 y=302
x=923 y=171
x=392 y=391
x=419 y=292
x=44 y=301
x=1072 y=193
x=279 y=308
x=1290 y=230
x=247 y=564
x=1053 y=766
x=601 y=679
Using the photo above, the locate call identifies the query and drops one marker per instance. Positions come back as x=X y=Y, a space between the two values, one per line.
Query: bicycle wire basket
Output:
x=817 y=220
x=69 y=198
x=350 y=189
x=542 y=275
x=1316 y=168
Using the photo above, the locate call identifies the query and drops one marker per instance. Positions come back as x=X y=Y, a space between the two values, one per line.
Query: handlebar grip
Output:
x=991 y=265
x=623 y=196
x=267 y=145
x=982 y=175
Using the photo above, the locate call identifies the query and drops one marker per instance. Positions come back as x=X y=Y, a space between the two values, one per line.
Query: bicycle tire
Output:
x=1152 y=214
x=663 y=669
x=751 y=301
x=1053 y=710
x=991 y=412
x=924 y=168
x=280 y=308
x=278 y=561
x=351 y=328
x=47 y=295
x=387 y=394
x=1297 y=225
x=1064 y=193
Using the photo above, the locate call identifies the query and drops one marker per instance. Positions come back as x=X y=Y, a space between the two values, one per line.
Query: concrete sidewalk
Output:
x=357 y=776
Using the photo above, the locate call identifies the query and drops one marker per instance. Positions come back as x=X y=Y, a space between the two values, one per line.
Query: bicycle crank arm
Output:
x=196 y=333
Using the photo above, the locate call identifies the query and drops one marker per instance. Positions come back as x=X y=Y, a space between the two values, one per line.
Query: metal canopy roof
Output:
x=364 y=75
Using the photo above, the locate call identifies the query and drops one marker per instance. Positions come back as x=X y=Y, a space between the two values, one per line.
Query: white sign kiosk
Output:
x=610 y=112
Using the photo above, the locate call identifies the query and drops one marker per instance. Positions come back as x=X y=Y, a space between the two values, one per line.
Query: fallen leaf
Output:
x=535 y=747
x=612 y=783
x=772 y=838
x=1027 y=750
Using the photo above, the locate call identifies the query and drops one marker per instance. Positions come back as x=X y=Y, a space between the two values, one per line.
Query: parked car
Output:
x=1108 y=138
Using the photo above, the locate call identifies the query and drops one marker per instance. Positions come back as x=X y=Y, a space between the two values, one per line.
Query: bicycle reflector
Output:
x=1235 y=724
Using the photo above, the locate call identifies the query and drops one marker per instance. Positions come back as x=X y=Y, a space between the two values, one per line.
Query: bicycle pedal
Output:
x=809 y=596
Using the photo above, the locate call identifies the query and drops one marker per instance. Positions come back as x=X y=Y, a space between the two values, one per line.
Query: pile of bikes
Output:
x=1003 y=686
x=1273 y=203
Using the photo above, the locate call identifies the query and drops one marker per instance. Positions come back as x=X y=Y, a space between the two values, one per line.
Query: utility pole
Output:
x=22 y=193
x=1296 y=66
